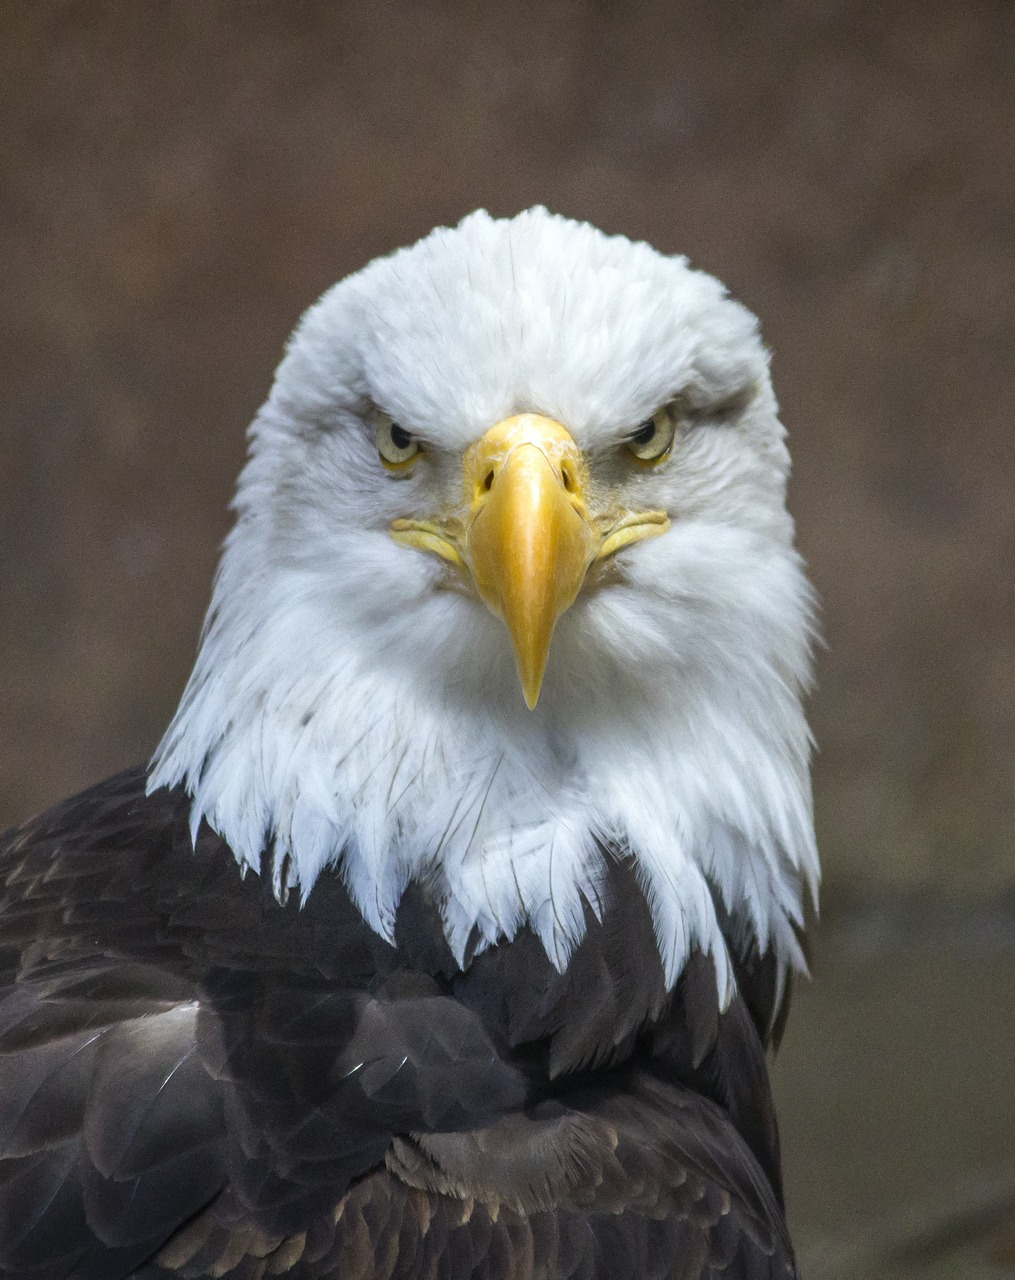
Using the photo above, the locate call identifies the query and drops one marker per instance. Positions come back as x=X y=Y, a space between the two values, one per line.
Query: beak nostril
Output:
x=567 y=479
x=488 y=481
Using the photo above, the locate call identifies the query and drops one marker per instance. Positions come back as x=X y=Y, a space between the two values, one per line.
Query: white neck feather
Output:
x=305 y=747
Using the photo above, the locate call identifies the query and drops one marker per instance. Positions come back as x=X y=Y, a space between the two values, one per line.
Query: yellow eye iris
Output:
x=395 y=445
x=652 y=442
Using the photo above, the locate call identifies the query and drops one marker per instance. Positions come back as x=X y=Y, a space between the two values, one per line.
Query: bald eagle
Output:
x=499 y=700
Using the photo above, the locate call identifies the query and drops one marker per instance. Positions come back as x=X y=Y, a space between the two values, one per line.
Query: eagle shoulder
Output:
x=195 y=1079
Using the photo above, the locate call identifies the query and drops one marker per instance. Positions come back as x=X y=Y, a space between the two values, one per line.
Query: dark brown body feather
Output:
x=196 y=1081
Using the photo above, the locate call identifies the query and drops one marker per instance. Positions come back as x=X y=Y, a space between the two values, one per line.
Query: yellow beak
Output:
x=527 y=538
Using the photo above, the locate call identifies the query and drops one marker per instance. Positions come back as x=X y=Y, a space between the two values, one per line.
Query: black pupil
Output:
x=400 y=438
x=645 y=433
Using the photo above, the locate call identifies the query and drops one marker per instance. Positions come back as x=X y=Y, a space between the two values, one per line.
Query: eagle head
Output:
x=512 y=591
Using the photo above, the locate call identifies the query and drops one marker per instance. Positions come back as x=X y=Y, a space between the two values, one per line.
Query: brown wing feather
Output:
x=653 y=1182
x=197 y=1081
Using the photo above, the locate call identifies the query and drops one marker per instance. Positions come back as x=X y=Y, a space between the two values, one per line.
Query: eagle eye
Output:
x=395 y=445
x=652 y=442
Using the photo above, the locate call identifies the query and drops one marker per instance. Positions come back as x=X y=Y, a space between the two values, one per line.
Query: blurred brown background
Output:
x=179 y=180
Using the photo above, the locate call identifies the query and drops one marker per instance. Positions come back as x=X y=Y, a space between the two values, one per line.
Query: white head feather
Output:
x=346 y=707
